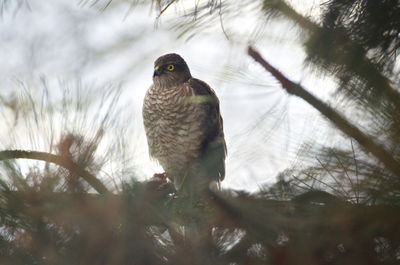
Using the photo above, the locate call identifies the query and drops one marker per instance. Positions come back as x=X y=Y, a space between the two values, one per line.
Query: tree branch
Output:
x=337 y=119
x=366 y=68
x=58 y=160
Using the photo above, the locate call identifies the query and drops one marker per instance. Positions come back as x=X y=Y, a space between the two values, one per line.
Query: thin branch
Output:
x=326 y=184
x=345 y=169
x=165 y=8
x=368 y=144
x=310 y=187
x=333 y=177
x=58 y=160
x=221 y=21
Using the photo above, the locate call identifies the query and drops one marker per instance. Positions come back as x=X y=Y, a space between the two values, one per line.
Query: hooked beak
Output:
x=157 y=71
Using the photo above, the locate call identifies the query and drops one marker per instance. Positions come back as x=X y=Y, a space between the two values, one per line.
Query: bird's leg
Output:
x=179 y=186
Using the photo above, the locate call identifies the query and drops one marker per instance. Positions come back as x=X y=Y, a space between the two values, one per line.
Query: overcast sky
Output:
x=59 y=42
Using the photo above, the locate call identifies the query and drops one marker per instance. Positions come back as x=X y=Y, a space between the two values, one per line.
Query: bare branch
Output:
x=368 y=144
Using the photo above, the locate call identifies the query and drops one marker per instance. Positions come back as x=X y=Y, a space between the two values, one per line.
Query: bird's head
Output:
x=170 y=70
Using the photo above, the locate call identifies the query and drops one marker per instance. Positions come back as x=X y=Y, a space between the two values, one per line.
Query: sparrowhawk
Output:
x=183 y=125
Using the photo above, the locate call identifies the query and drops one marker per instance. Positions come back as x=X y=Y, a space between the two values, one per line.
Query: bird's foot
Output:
x=158 y=187
x=162 y=182
x=162 y=177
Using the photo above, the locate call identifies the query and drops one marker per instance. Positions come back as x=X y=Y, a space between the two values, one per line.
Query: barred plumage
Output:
x=183 y=124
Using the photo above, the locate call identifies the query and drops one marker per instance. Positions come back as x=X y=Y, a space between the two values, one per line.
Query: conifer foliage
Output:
x=340 y=206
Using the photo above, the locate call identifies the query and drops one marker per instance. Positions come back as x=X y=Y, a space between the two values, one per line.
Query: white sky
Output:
x=60 y=40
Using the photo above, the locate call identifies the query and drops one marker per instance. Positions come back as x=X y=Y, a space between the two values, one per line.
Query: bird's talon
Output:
x=161 y=177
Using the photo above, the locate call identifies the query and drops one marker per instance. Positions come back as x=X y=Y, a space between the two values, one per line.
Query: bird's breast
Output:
x=168 y=104
x=172 y=123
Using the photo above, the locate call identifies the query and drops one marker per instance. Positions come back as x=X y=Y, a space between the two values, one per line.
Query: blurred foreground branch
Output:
x=230 y=211
x=337 y=119
x=136 y=228
x=62 y=161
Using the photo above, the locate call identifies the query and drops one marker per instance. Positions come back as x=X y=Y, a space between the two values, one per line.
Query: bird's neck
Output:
x=167 y=83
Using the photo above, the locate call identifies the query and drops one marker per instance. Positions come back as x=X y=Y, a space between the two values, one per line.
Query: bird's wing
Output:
x=213 y=145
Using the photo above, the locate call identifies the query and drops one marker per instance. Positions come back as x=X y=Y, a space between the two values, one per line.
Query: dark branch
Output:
x=337 y=119
x=62 y=161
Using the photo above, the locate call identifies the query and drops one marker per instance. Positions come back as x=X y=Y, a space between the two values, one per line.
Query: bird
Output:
x=183 y=126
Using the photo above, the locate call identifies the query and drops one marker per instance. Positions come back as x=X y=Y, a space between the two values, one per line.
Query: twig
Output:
x=337 y=119
x=346 y=194
x=221 y=21
x=353 y=188
x=58 y=160
x=165 y=8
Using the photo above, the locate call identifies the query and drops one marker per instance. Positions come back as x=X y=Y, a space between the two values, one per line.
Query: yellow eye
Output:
x=170 y=67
